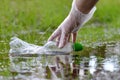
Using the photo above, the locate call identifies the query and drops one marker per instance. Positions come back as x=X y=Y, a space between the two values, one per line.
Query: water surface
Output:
x=101 y=62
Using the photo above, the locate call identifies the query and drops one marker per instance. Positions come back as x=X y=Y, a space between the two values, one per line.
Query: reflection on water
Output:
x=103 y=63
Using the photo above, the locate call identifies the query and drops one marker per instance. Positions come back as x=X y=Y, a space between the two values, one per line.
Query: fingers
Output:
x=54 y=35
x=74 y=35
x=66 y=38
x=58 y=40
x=63 y=39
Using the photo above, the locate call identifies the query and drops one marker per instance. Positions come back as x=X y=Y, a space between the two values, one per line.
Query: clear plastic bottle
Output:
x=20 y=47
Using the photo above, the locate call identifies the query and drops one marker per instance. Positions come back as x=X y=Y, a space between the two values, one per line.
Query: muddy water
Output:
x=101 y=62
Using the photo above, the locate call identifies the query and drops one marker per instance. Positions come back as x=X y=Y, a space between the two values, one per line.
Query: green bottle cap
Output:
x=77 y=46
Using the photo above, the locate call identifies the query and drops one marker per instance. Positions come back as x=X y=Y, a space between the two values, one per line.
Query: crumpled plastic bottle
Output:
x=18 y=46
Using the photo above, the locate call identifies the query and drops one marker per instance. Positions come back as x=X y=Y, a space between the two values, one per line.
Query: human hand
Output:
x=64 y=31
x=70 y=26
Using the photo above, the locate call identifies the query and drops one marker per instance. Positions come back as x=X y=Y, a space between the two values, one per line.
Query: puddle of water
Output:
x=99 y=63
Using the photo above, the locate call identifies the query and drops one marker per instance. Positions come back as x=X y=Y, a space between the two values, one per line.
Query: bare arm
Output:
x=85 y=5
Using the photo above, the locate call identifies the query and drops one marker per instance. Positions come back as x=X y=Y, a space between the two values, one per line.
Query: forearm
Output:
x=85 y=5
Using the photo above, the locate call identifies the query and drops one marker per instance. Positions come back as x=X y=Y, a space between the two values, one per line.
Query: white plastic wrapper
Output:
x=18 y=46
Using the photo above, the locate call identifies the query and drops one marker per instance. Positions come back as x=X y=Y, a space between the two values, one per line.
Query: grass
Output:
x=26 y=19
x=35 y=20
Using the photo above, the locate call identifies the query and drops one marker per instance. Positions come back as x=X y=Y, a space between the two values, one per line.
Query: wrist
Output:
x=79 y=17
